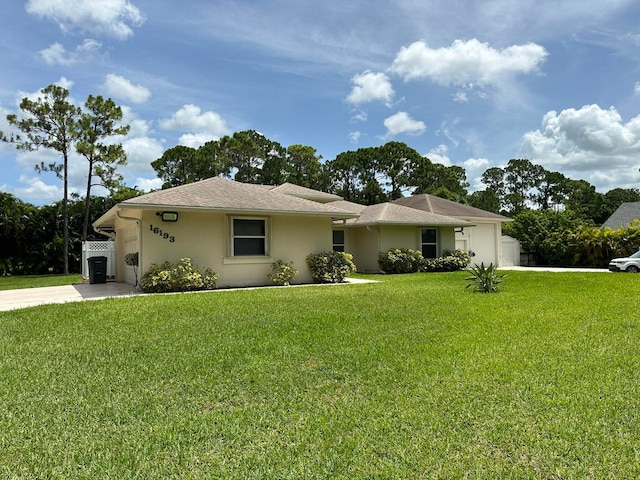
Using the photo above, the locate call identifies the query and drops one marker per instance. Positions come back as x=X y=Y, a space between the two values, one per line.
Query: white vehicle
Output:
x=626 y=264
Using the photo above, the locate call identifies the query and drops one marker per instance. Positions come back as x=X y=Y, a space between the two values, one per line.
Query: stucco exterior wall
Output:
x=365 y=244
x=484 y=239
x=205 y=238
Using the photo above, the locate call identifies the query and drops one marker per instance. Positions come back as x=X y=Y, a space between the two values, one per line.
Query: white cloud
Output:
x=460 y=97
x=57 y=54
x=369 y=86
x=148 y=184
x=354 y=136
x=37 y=190
x=119 y=87
x=636 y=88
x=402 y=122
x=110 y=17
x=141 y=151
x=466 y=63
x=589 y=143
x=202 y=126
x=439 y=155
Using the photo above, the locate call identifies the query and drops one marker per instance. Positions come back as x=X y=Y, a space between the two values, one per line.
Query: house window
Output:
x=429 y=243
x=249 y=237
x=338 y=240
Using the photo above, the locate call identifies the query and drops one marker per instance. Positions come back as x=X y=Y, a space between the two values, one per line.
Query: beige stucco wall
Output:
x=204 y=237
x=365 y=243
x=484 y=239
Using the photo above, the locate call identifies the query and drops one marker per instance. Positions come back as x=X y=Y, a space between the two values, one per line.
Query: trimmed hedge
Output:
x=330 y=267
x=180 y=277
x=406 y=260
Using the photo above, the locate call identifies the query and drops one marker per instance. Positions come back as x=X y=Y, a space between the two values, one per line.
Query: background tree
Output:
x=177 y=166
x=303 y=167
x=397 y=165
x=97 y=124
x=485 y=200
x=49 y=122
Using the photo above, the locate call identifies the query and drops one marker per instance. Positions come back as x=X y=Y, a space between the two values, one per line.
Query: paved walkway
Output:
x=29 y=297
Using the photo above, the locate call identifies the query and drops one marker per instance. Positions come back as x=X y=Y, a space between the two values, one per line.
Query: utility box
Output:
x=97 y=269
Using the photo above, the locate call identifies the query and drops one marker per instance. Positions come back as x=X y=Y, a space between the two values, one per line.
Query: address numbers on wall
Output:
x=162 y=234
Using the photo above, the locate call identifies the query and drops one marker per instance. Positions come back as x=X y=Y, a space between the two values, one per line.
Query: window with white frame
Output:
x=338 y=240
x=429 y=242
x=249 y=237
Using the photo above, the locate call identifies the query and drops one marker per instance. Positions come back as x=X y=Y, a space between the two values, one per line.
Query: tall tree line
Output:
x=53 y=122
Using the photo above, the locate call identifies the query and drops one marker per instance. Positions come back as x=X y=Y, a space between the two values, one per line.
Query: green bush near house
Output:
x=282 y=273
x=451 y=261
x=180 y=277
x=330 y=267
x=400 y=260
x=406 y=260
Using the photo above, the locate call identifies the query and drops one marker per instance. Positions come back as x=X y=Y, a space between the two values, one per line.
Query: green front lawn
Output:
x=32 y=281
x=413 y=377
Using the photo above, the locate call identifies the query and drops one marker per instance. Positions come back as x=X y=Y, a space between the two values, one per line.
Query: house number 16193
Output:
x=162 y=234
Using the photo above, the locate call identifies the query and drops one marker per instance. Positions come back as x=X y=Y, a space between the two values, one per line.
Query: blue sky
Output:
x=463 y=82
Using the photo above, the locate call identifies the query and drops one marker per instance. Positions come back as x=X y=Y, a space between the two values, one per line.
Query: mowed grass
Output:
x=413 y=377
x=12 y=282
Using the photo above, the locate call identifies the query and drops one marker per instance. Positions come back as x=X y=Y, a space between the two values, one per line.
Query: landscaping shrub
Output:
x=451 y=261
x=330 y=267
x=400 y=260
x=180 y=277
x=282 y=273
x=484 y=279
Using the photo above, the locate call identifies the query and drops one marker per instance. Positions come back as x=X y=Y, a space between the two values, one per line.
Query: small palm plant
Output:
x=484 y=279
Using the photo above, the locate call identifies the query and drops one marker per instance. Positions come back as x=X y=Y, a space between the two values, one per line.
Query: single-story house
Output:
x=624 y=216
x=239 y=229
x=384 y=226
x=236 y=229
x=484 y=239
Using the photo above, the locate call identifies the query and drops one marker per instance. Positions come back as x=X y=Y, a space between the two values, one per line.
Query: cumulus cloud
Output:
x=119 y=87
x=37 y=189
x=110 y=17
x=466 y=63
x=354 y=137
x=141 y=151
x=201 y=126
x=589 y=140
x=402 y=122
x=57 y=54
x=370 y=86
x=439 y=155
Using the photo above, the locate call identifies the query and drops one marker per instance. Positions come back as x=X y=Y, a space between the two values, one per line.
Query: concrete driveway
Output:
x=29 y=297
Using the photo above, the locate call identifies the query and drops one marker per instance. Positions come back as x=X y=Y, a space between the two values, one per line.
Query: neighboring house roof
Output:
x=624 y=215
x=442 y=206
x=304 y=192
x=393 y=214
x=220 y=194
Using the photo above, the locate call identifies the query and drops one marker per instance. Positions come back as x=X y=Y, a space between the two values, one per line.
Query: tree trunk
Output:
x=65 y=214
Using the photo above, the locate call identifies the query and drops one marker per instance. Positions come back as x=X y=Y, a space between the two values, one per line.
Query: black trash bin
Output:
x=97 y=269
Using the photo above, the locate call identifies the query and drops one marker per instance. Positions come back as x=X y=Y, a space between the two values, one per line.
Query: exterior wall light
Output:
x=168 y=216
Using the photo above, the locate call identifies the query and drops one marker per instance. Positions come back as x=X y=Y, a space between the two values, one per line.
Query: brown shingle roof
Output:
x=393 y=214
x=442 y=206
x=221 y=194
x=304 y=192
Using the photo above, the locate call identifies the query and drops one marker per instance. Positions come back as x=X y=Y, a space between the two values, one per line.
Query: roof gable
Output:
x=393 y=214
x=442 y=206
x=220 y=194
x=624 y=215
x=304 y=192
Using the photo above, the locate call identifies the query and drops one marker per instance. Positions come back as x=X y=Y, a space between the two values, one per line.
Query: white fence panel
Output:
x=99 y=249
